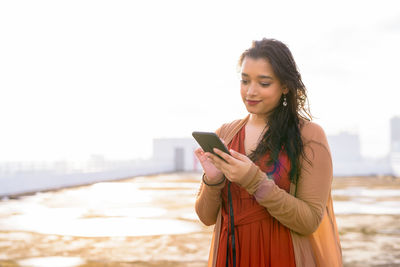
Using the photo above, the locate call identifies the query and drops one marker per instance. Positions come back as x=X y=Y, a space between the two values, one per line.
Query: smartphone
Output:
x=208 y=141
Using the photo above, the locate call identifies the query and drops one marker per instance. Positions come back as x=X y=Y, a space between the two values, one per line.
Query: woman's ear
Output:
x=285 y=90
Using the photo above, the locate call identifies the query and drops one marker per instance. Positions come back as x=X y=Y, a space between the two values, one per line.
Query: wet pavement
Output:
x=142 y=221
x=150 y=221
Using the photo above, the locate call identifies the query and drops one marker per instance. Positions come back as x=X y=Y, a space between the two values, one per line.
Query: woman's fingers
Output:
x=203 y=157
x=239 y=156
x=199 y=153
x=224 y=165
x=215 y=160
x=212 y=157
x=223 y=155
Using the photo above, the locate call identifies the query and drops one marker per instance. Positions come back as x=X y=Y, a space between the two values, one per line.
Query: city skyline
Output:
x=345 y=147
x=176 y=155
x=150 y=149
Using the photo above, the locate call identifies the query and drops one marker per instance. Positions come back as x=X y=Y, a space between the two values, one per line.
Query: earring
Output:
x=284 y=103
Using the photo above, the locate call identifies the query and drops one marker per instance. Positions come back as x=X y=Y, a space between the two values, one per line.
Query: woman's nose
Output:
x=251 y=90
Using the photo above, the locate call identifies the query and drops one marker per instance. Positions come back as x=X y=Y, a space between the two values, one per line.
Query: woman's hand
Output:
x=213 y=174
x=234 y=166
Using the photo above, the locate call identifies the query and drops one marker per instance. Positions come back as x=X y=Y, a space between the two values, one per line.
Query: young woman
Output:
x=270 y=200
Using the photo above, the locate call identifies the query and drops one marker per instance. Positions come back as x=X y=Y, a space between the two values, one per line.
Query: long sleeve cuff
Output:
x=253 y=179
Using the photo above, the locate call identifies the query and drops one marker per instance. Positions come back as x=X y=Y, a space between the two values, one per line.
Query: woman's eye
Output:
x=244 y=81
x=265 y=84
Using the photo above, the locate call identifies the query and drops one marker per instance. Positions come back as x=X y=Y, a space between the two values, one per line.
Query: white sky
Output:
x=106 y=77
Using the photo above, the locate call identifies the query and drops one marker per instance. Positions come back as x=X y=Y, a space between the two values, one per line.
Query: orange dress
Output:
x=260 y=239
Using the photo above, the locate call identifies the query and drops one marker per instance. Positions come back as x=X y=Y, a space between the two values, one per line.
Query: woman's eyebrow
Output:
x=259 y=76
x=265 y=77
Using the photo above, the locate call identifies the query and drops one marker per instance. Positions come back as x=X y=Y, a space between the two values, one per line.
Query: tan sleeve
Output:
x=208 y=203
x=304 y=212
x=209 y=200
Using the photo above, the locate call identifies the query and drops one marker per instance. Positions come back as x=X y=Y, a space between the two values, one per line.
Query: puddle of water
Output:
x=389 y=231
x=365 y=192
x=51 y=262
x=364 y=201
x=140 y=207
x=169 y=185
x=137 y=212
x=190 y=216
x=353 y=207
x=100 y=227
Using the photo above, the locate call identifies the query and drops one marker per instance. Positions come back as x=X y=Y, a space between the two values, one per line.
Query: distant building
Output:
x=177 y=154
x=395 y=145
x=347 y=159
x=345 y=147
x=346 y=154
x=395 y=134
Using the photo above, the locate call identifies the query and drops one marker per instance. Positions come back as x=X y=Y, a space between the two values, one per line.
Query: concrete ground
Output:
x=150 y=221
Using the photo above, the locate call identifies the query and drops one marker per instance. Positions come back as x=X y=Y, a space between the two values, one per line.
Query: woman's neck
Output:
x=257 y=120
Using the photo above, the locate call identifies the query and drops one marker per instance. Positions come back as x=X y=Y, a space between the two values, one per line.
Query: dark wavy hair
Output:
x=283 y=122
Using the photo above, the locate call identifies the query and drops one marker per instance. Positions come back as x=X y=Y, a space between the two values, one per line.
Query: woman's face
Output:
x=260 y=88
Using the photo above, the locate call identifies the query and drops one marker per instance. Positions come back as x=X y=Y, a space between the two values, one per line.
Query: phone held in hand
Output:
x=208 y=141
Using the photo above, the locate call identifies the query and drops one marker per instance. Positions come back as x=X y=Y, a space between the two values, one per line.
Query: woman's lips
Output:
x=253 y=102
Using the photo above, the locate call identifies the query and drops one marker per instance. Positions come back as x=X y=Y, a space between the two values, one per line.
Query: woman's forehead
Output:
x=257 y=66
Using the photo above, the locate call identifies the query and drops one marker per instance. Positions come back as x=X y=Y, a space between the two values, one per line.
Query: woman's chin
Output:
x=254 y=110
